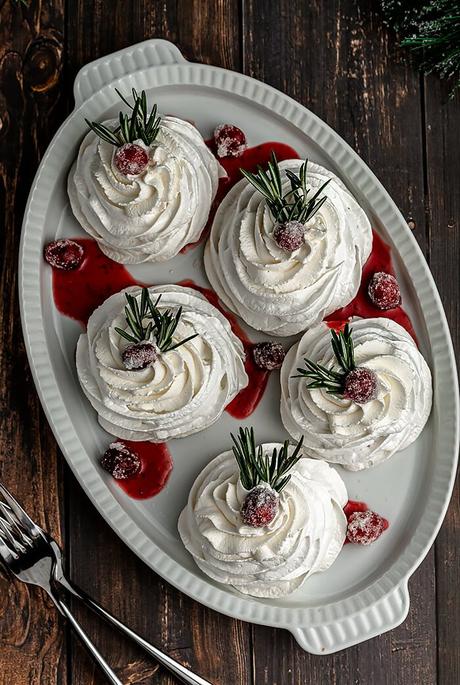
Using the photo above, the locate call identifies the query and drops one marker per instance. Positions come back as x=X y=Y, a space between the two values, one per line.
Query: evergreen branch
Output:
x=431 y=29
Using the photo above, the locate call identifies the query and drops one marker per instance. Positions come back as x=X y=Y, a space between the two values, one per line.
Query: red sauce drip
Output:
x=247 y=399
x=379 y=260
x=156 y=466
x=251 y=157
x=78 y=293
x=354 y=505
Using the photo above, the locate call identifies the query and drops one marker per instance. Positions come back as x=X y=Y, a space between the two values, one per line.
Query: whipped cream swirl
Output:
x=184 y=391
x=305 y=536
x=358 y=435
x=275 y=291
x=152 y=216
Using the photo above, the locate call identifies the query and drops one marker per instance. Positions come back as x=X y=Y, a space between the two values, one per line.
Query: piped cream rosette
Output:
x=184 y=391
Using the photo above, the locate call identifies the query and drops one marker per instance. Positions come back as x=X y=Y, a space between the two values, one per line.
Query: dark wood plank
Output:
x=32 y=638
x=342 y=64
x=442 y=126
x=211 y=644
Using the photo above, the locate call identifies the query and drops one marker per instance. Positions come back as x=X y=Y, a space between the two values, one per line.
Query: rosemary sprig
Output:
x=255 y=467
x=332 y=380
x=165 y=326
x=295 y=205
x=138 y=125
x=161 y=324
x=135 y=317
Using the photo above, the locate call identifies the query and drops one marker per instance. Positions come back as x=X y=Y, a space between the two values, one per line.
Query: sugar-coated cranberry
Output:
x=365 y=527
x=289 y=236
x=360 y=385
x=230 y=140
x=268 y=355
x=120 y=462
x=384 y=291
x=131 y=159
x=138 y=356
x=64 y=254
x=260 y=506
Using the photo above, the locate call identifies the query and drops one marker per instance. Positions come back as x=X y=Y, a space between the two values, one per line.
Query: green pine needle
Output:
x=295 y=205
x=321 y=377
x=255 y=467
x=162 y=325
x=140 y=124
x=432 y=31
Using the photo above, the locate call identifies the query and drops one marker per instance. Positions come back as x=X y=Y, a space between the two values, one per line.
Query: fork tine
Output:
x=7 y=551
x=19 y=512
x=7 y=528
x=14 y=525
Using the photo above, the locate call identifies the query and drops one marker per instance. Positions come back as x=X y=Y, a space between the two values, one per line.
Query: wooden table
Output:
x=343 y=64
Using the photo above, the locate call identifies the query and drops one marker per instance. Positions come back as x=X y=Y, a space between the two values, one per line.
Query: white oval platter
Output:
x=365 y=592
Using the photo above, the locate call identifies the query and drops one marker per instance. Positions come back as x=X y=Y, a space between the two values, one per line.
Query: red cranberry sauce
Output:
x=156 y=466
x=78 y=293
x=354 y=505
x=379 y=260
x=248 y=160
x=247 y=399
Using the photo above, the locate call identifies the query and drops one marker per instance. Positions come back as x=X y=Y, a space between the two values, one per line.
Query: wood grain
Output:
x=340 y=61
x=32 y=638
x=344 y=66
x=442 y=116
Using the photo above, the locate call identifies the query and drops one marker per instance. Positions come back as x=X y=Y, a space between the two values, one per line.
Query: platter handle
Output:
x=155 y=52
x=383 y=615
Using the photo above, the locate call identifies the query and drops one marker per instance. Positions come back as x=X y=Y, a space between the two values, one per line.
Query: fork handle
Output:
x=90 y=646
x=181 y=672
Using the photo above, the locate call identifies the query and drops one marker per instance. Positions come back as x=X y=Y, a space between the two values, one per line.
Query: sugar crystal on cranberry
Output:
x=131 y=159
x=64 y=254
x=230 y=140
x=138 y=356
x=360 y=385
x=384 y=291
x=260 y=506
x=268 y=355
x=365 y=527
x=120 y=462
x=289 y=236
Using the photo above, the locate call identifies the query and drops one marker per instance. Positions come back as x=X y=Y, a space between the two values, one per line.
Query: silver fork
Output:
x=34 y=557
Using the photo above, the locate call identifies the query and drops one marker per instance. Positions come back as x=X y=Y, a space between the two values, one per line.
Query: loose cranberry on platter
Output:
x=131 y=159
x=120 y=462
x=360 y=385
x=260 y=506
x=365 y=527
x=64 y=254
x=138 y=356
x=230 y=140
x=384 y=291
x=268 y=355
x=289 y=236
